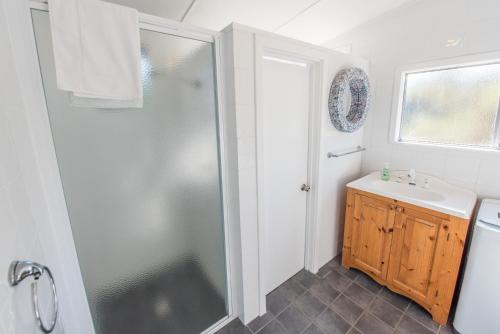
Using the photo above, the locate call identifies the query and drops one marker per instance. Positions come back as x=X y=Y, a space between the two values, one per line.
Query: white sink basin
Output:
x=409 y=191
x=439 y=196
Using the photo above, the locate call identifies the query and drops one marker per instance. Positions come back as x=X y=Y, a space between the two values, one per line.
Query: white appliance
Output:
x=478 y=309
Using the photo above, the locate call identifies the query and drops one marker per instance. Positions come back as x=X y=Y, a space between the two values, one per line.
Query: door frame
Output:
x=268 y=45
x=53 y=225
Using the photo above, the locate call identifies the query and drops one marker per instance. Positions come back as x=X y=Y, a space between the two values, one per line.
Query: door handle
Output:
x=305 y=187
x=19 y=271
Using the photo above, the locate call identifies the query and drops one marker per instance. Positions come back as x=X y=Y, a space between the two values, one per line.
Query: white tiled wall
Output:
x=18 y=235
x=333 y=173
x=240 y=107
x=418 y=33
x=18 y=239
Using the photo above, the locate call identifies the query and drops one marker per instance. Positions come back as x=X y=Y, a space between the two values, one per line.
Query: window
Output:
x=456 y=105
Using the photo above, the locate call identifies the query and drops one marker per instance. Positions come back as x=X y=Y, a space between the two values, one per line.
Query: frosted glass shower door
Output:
x=143 y=191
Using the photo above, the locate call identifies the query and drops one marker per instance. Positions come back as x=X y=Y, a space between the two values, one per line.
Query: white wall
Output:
x=233 y=229
x=240 y=111
x=412 y=34
x=29 y=232
x=333 y=173
x=19 y=239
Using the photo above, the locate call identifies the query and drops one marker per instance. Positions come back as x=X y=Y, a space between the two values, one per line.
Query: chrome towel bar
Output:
x=338 y=155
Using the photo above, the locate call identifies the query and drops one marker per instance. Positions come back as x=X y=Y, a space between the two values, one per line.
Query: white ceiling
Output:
x=313 y=21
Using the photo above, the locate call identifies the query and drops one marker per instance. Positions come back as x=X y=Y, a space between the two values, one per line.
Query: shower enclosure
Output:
x=143 y=190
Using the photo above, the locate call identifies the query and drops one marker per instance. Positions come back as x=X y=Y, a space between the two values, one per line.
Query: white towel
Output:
x=97 y=52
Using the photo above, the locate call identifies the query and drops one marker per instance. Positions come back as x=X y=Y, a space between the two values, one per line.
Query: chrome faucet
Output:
x=412 y=175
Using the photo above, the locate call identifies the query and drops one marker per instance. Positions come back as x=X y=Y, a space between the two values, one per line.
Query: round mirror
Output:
x=349 y=99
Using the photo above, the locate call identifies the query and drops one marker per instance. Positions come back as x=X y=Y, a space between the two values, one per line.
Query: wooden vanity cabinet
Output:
x=413 y=251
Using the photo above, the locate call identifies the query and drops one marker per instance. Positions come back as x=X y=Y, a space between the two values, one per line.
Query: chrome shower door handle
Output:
x=305 y=187
x=20 y=270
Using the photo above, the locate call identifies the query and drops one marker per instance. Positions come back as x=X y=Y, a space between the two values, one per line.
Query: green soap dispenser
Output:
x=386 y=172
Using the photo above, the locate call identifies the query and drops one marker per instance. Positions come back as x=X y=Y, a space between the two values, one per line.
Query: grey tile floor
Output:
x=337 y=301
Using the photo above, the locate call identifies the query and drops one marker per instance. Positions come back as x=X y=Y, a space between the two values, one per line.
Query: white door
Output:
x=285 y=123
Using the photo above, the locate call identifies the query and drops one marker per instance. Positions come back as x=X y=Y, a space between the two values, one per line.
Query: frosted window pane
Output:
x=455 y=106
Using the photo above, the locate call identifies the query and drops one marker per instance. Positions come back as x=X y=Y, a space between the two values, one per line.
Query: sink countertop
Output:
x=440 y=196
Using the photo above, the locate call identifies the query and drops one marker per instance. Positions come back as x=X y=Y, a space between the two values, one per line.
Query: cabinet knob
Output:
x=400 y=209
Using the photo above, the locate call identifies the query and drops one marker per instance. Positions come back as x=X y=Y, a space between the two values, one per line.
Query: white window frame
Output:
x=442 y=64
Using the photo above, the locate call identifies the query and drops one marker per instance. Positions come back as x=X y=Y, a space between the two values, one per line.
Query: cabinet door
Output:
x=372 y=227
x=413 y=253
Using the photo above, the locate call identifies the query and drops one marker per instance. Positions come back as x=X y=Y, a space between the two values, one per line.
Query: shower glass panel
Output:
x=143 y=191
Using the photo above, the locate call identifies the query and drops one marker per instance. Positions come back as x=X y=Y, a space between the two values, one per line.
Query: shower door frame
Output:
x=54 y=228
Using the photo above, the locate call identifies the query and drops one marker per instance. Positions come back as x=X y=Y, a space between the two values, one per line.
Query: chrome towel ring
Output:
x=18 y=271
